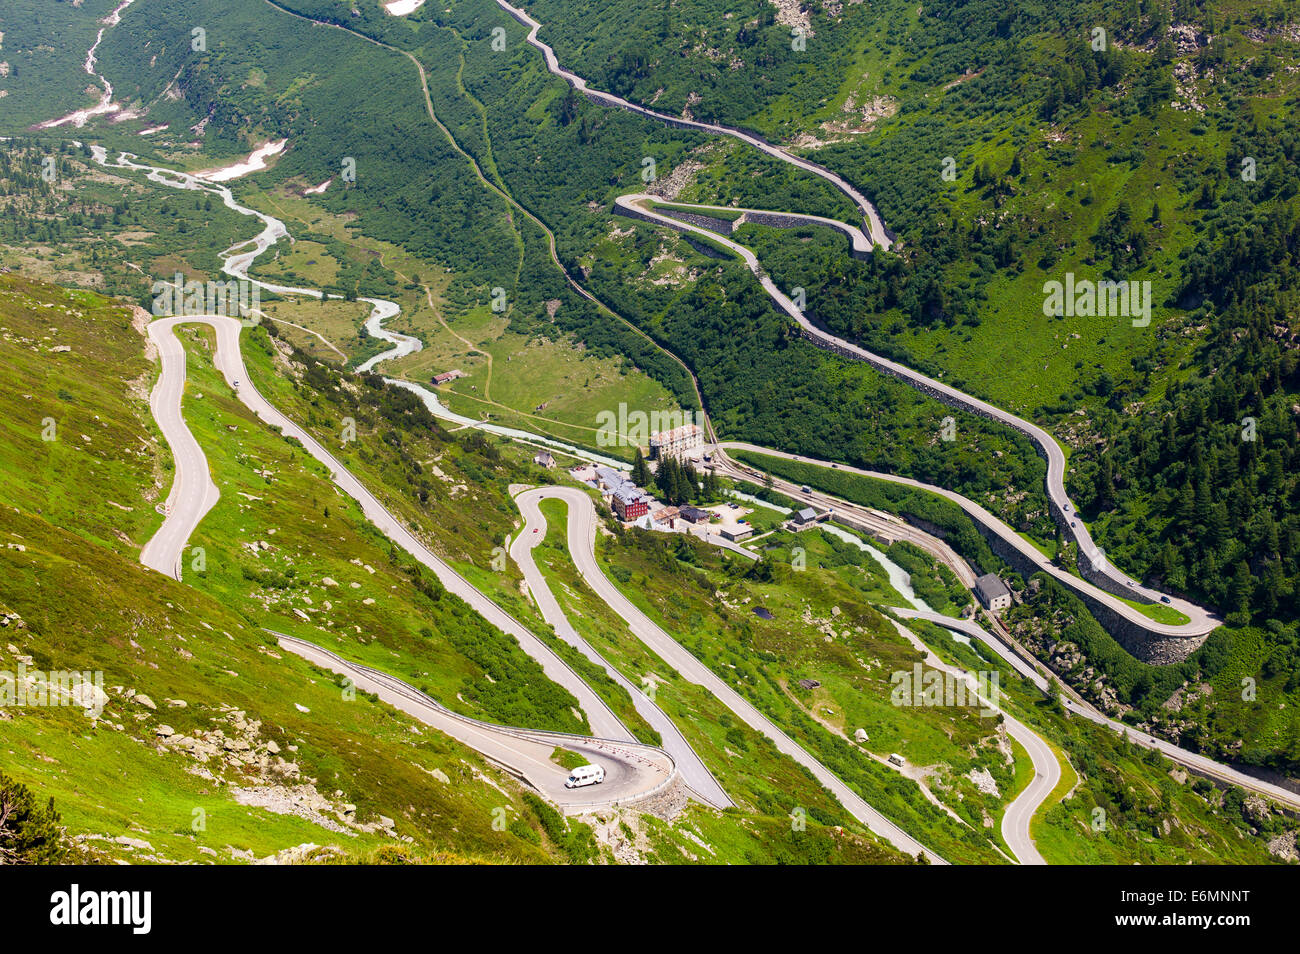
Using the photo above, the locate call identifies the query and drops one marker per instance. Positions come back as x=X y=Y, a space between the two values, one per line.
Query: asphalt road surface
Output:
x=1047 y=770
x=193 y=492
x=582 y=539
x=696 y=775
x=1201 y=621
x=632 y=772
x=1192 y=760
x=879 y=235
x=192 y=502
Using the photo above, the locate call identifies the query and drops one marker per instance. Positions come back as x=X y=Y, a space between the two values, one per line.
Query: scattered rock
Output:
x=983 y=779
x=1283 y=846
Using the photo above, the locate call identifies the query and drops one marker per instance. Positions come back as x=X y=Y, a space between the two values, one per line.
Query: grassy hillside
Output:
x=75 y=598
x=1153 y=813
x=1115 y=163
x=43 y=45
x=234 y=750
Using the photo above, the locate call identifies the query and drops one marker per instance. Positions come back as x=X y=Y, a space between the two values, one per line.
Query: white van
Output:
x=585 y=775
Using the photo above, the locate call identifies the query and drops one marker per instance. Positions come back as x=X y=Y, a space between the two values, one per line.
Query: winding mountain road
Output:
x=633 y=772
x=193 y=493
x=582 y=542
x=879 y=234
x=1185 y=757
x=192 y=502
x=694 y=773
x=639 y=205
x=1047 y=770
x=1201 y=621
x=170 y=544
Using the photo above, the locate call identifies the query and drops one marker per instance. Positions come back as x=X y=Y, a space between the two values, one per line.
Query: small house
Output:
x=667 y=516
x=992 y=592
x=695 y=514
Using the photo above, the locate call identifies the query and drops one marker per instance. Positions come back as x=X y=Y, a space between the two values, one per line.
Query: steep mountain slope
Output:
x=209 y=720
x=210 y=742
x=959 y=298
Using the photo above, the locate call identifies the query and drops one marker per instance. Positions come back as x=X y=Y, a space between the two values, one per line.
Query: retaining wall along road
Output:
x=1143 y=644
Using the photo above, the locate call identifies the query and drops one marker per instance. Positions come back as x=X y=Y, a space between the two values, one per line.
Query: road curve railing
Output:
x=1201 y=622
x=694 y=772
x=859 y=244
x=871 y=218
x=645 y=757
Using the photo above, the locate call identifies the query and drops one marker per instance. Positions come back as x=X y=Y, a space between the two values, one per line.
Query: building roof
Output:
x=629 y=494
x=806 y=514
x=682 y=432
x=990 y=586
x=695 y=513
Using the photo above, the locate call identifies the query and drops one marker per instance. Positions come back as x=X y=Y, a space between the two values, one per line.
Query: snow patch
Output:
x=256 y=162
x=400 y=8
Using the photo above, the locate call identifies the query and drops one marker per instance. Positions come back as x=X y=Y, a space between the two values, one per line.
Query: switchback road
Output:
x=191 y=502
x=694 y=773
x=633 y=772
x=582 y=542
